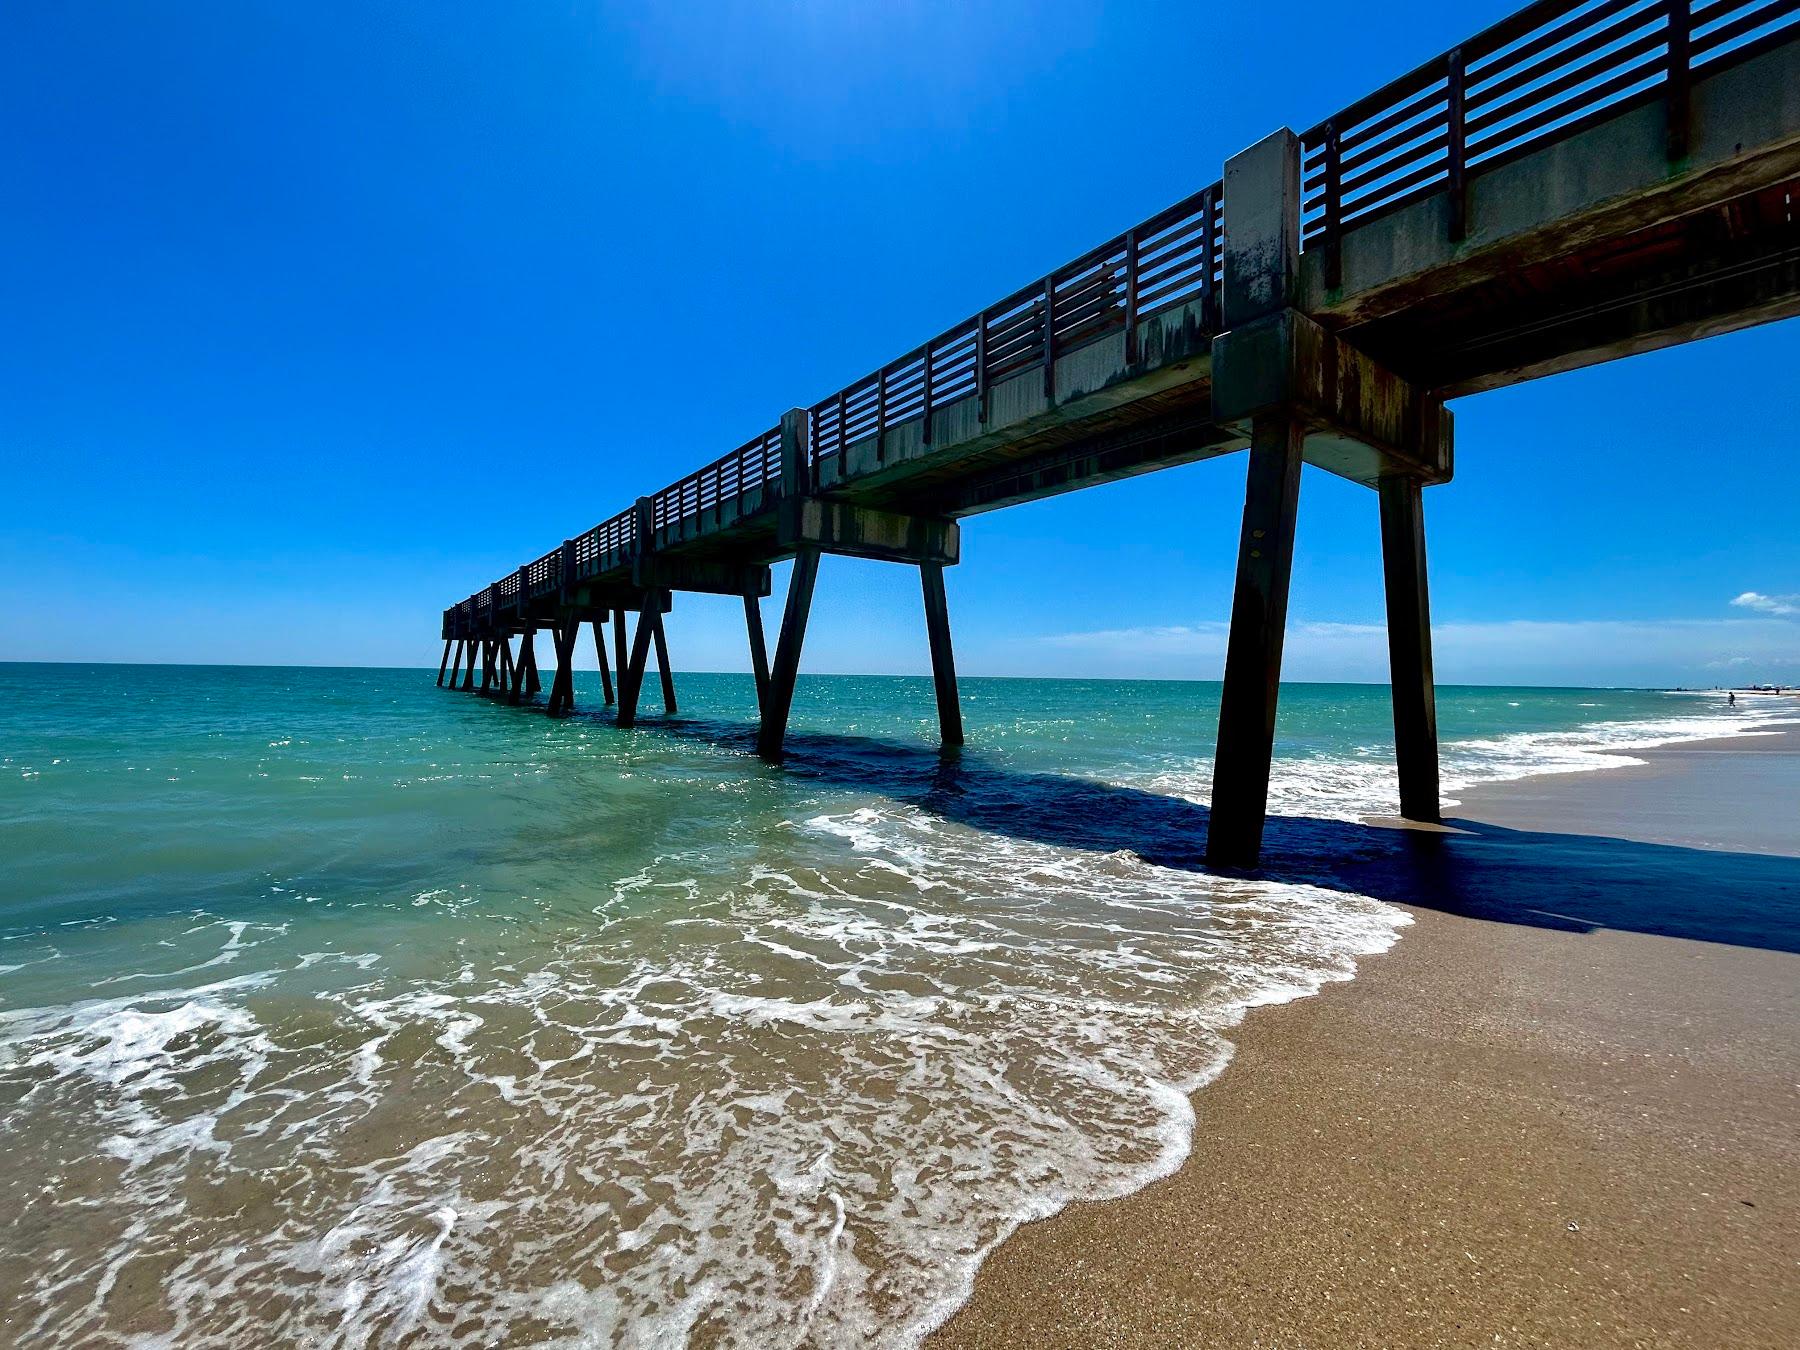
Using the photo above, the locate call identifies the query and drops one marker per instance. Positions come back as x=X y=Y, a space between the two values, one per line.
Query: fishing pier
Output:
x=1577 y=183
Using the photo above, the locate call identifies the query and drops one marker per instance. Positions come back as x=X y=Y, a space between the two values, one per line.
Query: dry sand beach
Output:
x=1564 y=1110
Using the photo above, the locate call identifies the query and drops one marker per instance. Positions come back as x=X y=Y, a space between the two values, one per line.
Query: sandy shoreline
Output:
x=1565 y=1109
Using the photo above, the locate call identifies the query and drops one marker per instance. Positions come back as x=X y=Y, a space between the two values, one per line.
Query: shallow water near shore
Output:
x=336 y=1008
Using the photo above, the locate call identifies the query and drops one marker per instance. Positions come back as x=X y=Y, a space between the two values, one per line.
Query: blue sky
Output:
x=317 y=317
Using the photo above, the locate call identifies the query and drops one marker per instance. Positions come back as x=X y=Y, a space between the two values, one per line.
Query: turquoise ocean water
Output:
x=338 y=1009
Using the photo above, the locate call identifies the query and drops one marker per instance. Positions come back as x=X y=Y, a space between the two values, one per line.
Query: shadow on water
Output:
x=1571 y=882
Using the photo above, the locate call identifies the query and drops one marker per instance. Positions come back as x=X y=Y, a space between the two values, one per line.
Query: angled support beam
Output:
x=1409 y=645
x=780 y=701
x=1240 y=795
x=487 y=665
x=469 y=669
x=759 y=653
x=606 y=684
x=506 y=671
x=631 y=674
x=662 y=659
x=619 y=650
x=515 y=692
x=528 y=654
x=553 y=704
x=943 y=660
x=562 y=684
x=456 y=670
x=444 y=664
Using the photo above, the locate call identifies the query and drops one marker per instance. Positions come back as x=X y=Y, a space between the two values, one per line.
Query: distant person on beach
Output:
x=1731 y=698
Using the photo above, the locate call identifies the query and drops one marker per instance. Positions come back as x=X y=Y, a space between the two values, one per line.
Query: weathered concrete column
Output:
x=1262 y=257
x=469 y=668
x=505 y=673
x=780 y=700
x=553 y=705
x=562 y=683
x=631 y=674
x=1262 y=229
x=515 y=672
x=759 y=655
x=606 y=684
x=795 y=482
x=1409 y=645
x=620 y=653
x=444 y=664
x=1240 y=794
x=528 y=659
x=796 y=453
x=456 y=670
x=943 y=659
x=662 y=662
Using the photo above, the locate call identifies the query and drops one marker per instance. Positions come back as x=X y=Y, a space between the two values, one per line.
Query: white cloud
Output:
x=1786 y=605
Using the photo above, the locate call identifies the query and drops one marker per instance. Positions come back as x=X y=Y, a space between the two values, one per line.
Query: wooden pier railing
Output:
x=1541 y=75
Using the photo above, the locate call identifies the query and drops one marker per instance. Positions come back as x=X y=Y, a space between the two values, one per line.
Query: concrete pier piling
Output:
x=1247 y=701
x=1409 y=645
x=943 y=659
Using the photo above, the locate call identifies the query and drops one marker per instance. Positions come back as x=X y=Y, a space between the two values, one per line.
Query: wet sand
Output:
x=1564 y=1110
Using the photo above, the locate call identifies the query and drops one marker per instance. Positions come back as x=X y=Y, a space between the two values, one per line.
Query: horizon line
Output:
x=898 y=675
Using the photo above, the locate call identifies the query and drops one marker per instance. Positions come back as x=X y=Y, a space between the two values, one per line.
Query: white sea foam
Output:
x=1350 y=788
x=808 y=1110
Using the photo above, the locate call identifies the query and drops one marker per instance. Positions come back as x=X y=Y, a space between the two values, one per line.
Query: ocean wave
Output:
x=805 y=1111
x=1363 y=783
x=767 y=1080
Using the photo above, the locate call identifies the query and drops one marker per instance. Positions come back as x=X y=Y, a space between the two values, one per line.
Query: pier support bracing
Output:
x=562 y=683
x=810 y=526
x=1240 y=793
x=619 y=648
x=444 y=664
x=1409 y=645
x=662 y=661
x=515 y=692
x=631 y=673
x=456 y=670
x=759 y=653
x=780 y=698
x=943 y=659
x=1251 y=385
x=504 y=675
x=606 y=684
x=1301 y=392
